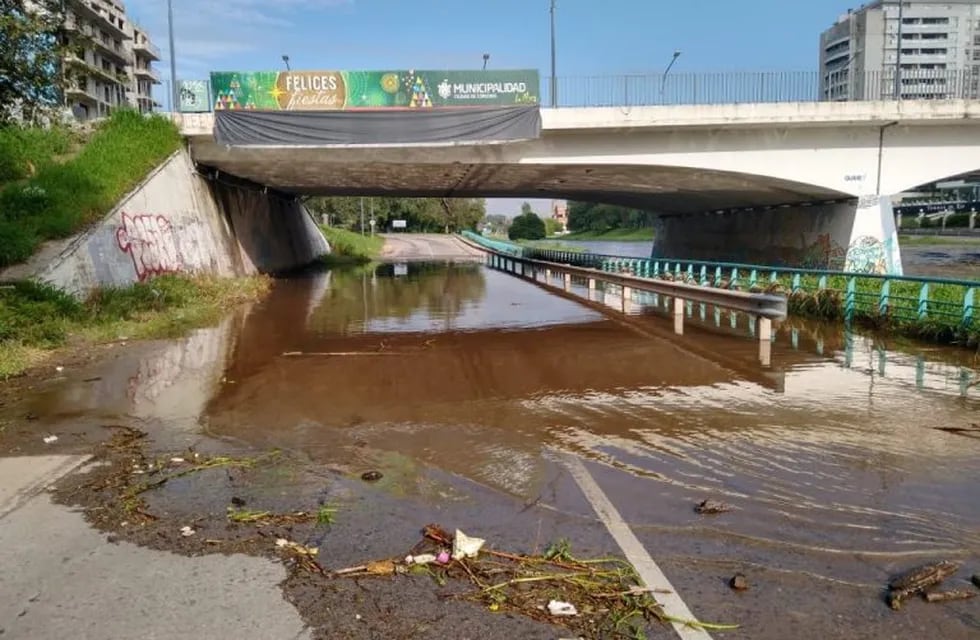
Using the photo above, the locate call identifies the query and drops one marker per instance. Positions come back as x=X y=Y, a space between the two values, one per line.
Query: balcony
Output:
x=147 y=49
x=88 y=9
x=110 y=50
x=148 y=72
x=90 y=67
x=81 y=94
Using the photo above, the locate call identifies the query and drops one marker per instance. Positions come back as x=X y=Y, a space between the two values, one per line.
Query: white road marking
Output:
x=635 y=553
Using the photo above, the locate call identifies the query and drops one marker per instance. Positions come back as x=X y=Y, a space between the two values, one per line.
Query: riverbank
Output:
x=37 y=321
x=349 y=247
x=618 y=235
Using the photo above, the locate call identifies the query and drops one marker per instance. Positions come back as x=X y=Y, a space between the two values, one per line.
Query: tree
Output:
x=598 y=217
x=527 y=226
x=32 y=45
x=433 y=215
x=551 y=226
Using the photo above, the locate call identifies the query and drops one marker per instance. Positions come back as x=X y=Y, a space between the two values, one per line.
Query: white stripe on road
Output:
x=637 y=555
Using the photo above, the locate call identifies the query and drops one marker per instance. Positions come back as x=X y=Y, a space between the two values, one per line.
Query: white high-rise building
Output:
x=112 y=64
x=918 y=49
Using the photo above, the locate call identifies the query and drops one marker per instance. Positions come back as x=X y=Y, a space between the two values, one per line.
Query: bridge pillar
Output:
x=873 y=246
x=856 y=235
x=973 y=219
x=678 y=316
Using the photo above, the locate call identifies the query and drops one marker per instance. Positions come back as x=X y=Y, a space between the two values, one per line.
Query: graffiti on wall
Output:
x=149 y=241
x=867 y=255
x=822 y=254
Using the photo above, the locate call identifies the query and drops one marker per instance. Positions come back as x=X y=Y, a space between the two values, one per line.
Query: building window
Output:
x=933 y=36
x=935 y=20
x=933 y=52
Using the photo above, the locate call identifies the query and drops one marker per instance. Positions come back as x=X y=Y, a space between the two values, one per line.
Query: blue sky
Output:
x=595 y=37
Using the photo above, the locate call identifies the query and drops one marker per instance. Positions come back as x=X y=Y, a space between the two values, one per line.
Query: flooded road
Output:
x=469 y=388
x=835 y=463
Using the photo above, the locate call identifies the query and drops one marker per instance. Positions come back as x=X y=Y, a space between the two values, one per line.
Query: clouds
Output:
x=209 y=32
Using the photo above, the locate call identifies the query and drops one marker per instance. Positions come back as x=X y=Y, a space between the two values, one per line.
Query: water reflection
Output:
x=483 y=374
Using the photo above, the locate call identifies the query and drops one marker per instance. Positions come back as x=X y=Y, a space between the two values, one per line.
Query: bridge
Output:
x=807 y=183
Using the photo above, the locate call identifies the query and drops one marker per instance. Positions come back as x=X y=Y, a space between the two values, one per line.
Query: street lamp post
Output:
x=663 y=81
x=285 y=59
x=554 y=79
x=486 y=59
x=173 y=59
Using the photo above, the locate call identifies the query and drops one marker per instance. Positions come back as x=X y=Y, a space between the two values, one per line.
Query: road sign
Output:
x=398 y=224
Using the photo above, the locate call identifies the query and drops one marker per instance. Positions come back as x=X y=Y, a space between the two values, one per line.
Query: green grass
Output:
x=349 y=247
x=61 y=199
x=937 y=241
x=36 y=319
x=618 y=235
x=551 y=245
x=24 y=151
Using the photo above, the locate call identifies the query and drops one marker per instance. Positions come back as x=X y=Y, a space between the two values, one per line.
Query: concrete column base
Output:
x=873 y=246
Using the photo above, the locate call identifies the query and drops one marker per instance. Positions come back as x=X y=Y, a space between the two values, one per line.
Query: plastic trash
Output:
x=443 y=557
x=187 y=532
x=422 y=558
x=50 y=439
x=559 y=608
x=466 y=547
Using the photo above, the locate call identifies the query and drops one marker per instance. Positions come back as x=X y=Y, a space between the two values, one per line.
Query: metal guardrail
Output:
x=773 y=307
x=938 y=306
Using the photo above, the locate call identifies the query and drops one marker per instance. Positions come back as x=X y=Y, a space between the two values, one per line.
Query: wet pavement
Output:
x=470 y=390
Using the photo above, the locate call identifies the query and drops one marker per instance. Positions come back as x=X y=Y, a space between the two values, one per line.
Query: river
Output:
x=467 y=387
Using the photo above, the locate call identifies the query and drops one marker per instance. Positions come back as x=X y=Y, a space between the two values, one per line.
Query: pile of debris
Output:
x=596 y=598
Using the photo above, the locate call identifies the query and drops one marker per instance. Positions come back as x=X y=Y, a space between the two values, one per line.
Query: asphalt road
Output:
x=426 y=246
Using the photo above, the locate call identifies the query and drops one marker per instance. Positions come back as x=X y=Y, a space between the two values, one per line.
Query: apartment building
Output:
x=918 y=49
x=111 y=61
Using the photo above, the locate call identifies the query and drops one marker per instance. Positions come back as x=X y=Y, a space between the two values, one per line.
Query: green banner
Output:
x=326 y=90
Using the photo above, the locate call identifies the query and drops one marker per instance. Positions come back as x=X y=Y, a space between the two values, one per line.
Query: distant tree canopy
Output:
x=32 y=43
x=420 y=214
x=497 y=222
x=527 y=226
x=591 y=216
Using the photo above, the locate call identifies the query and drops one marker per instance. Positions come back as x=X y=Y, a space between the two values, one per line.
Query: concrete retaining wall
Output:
x=177 y=222
x=815 y=237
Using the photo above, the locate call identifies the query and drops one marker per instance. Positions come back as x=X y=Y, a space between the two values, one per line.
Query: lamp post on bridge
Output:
x=554 y=79
x=173 y=60
x=486 y=59
x=285 y=59
x=663 y=81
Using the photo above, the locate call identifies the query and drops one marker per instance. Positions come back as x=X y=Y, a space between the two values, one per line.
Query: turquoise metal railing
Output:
x=935 y=305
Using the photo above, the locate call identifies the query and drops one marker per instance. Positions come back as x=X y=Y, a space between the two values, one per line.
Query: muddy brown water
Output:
x=458 y=382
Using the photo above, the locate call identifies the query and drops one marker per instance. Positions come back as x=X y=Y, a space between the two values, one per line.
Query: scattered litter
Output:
x=380 y=568
x=738 y=582
x=187 y=532
x=177 y=460
x=238 y=502
x=371 y=476
x=946 y=596
x=59 y=369
x=50 y=439
x=295 y=547
x=443 y=557
x=357 y=616
x=708 y=507
x=917 y=581
x=466 y=547
x=559 y=608
x=422 y=558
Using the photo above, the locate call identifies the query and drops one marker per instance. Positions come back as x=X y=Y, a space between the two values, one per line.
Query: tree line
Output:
x=599 y=218
x=422 y=215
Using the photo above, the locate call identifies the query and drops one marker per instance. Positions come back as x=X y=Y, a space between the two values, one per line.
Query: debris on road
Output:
x=916 y=581
x=596 y=598
x=946 y=596
x=50 y=439
x=558 y=608
x=187 y=531
x=739 y=582
x=708 y=507
x=371 y=476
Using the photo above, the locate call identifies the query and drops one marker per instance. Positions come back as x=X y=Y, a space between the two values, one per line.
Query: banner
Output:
x=347 y=90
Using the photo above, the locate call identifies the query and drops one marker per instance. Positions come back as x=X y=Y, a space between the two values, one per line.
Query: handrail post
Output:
x=765 y=341
x=678 y=316
x=849 y=299
x=883 y=298
x=924 y=301
x=968 y=307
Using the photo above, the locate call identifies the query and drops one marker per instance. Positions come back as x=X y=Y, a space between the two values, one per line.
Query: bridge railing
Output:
x=934 y=308
x=655 y=88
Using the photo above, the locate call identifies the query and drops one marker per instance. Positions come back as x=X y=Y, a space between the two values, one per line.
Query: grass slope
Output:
x=349 y=247
x=618 y=235
x=60 y=199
